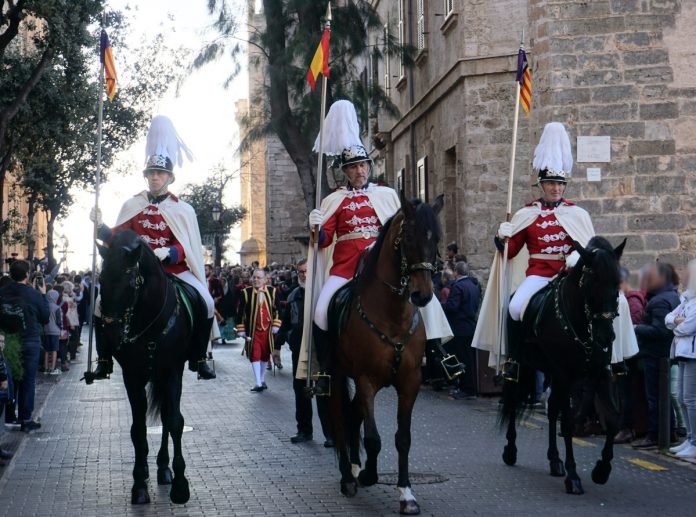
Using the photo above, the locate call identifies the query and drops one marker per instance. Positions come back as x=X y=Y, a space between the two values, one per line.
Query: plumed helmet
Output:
x=553 y=157
x=354 y=154
x=164 y=147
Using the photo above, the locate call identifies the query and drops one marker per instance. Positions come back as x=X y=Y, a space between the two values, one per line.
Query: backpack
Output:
x=12 y=319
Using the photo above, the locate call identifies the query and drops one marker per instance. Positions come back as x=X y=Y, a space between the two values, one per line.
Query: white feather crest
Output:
x=554 y=151
x=341 y=129
x=163 y=140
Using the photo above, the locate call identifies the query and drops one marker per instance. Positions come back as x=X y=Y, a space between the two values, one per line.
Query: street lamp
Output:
x=216 y=211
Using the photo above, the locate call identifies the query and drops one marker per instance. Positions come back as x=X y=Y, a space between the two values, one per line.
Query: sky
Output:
x=203 y=113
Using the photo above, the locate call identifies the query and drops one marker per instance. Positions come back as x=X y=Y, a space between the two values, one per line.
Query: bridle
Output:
x=406 y=269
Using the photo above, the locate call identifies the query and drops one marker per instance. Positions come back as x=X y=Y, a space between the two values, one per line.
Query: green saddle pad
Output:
x=188 y=295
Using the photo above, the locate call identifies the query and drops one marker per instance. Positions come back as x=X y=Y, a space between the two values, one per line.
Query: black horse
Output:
x=146 y=323
x=570 y=340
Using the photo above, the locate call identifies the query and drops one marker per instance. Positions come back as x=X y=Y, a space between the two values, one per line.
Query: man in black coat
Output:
x=461 y=309
x=655 y=341
x=291 y=332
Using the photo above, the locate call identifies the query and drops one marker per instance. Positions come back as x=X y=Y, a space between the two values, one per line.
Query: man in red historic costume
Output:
x=259 y=323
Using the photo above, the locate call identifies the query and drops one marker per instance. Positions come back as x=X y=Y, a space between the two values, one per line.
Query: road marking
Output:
x=647 y=465
x=583 y=443
x=530 y=425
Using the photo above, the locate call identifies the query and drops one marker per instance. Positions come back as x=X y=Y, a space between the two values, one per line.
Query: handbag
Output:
x=12 y=318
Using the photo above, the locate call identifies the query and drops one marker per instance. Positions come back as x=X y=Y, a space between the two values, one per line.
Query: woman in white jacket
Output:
x=682 y=321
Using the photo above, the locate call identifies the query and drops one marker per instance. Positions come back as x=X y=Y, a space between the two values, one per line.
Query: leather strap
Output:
x=361 y=235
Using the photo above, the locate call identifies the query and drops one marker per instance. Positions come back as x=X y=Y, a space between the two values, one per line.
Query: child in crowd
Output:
x=52 y=331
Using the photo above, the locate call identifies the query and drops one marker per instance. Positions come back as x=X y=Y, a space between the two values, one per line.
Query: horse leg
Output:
x=164 y=473
x=407 y=397
x=573 y=485
x=608 y=409
x=555 y=463
x=511 y=395
x=179 y=493
x=355 y=441
x=138 y=402
x=340 y=406
x=365 y=394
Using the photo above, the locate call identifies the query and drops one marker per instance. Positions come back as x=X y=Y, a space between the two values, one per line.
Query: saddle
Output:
x=339 y=308
x=537 y=307
x=189 y=297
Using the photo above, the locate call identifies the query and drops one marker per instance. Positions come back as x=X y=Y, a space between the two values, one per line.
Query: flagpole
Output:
x=504 y=294
x=317 y=204
x=89 y=376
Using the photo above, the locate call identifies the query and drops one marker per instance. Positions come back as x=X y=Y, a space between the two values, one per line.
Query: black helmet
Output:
x=354 y=154
x=549 y=174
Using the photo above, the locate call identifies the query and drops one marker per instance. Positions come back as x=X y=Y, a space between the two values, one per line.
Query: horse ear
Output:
x=438 y=204
x=618 y=251
x=406 y=206
x=584 y=254
x=103 y=250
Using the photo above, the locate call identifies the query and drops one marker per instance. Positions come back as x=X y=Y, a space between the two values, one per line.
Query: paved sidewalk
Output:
x=240 y=460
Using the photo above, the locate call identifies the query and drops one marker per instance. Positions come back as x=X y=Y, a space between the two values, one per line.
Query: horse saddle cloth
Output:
x=189 y=297
x=339 y=308
x=537 y=307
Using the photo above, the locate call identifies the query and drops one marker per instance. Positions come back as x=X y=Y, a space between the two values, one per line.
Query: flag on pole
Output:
x=320 y=61
x=524 y=77
x=107 y=60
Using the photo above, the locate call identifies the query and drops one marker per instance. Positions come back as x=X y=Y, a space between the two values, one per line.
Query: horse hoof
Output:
x=600 y=474
x=366 y=478
x=180 y=494
x=409 y=508
x=557 y=468
x=349 y=488
x=510 y=455
x=140 y=496
x=164 y=476
x=574 y=486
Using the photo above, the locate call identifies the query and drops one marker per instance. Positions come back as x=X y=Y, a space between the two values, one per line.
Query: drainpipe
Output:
x=411 y=98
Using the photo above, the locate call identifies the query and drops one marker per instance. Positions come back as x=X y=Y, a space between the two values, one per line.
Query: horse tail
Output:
x=516 y=396
x=155 y=398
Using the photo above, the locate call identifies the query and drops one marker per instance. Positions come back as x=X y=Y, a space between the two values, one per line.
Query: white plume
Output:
x=554 y=151
x=163 y=140
x=341 y=129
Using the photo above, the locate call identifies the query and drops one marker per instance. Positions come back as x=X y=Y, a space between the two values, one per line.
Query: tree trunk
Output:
x=50 y=225
x=31 y=211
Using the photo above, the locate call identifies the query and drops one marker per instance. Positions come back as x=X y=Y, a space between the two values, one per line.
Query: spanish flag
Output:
x=320 y=61
x=107 y=61
x=524 y=77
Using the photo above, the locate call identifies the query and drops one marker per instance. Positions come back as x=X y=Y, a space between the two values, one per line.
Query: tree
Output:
x=286 y=45
x=209 y=197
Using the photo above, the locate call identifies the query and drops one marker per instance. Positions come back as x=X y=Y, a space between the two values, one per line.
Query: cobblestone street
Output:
x=240 y=460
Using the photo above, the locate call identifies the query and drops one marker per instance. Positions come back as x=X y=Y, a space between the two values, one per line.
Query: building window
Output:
x=387 y=71
x=421 y=24
x=400 y=180
x=422 y=179
x=402 y=37
x=449 y=7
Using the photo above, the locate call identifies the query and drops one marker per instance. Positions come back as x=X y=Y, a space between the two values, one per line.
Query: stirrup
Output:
x=450 y=362
x=322 y=385
x=511 y=371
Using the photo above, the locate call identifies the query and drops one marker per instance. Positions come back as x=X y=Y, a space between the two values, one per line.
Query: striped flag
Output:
x=524 y=77
x=107 y=60
x=320 y=61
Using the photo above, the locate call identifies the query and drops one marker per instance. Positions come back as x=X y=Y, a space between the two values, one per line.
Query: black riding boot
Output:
x=322 y=344
x=105 y=362
x=198 y=361
x=511 y=368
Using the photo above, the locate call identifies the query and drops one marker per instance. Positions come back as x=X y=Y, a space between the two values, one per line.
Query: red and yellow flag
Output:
x=524 y=77
x=320 y=61
x=107 y=60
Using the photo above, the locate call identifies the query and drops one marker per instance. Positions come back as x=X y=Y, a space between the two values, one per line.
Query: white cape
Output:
x=386 y=203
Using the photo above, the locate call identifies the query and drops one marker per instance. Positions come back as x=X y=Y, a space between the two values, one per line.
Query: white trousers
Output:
x=321 y=314
x=191 y=280
x=531 y=285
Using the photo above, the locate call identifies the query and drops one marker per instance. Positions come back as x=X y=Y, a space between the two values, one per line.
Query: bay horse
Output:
x=147 y=326
x=570 y=340
x=382 y=344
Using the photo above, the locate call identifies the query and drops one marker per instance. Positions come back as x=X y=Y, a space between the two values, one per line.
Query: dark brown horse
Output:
x=383 y=344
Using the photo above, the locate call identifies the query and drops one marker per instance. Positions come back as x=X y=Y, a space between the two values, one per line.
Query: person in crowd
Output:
x=35 y=308
x=4 y=386
x=291 y=333
x=257 y=318
x=655 y=340
x=52 y=331
x=682 y=322
x=451 y=253
x=447 y=280
x=73 y=319
x=461 y=308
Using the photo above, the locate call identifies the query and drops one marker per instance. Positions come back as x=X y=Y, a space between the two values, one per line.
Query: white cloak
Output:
x=181 y=218
x=386 y=203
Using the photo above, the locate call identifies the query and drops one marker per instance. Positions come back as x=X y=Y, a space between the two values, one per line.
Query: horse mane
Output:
x=128 y=238
x=605 y=259
x=372 y=257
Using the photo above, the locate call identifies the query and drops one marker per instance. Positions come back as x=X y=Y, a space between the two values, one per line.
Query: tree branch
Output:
x=14 y=14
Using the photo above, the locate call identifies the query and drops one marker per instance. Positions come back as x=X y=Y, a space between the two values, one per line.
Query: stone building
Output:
x=621 y=69
x=270 y=186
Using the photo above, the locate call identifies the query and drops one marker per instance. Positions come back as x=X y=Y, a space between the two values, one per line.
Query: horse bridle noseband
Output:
x=405 y=268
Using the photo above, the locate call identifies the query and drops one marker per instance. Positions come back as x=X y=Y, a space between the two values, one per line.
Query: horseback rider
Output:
x=350 y=220
x=169 y=227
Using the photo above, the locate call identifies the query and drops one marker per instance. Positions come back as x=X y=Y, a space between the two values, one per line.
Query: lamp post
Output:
x=216 y=213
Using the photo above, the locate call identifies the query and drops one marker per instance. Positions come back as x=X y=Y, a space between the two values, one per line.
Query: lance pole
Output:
x=89 y=375
x=504 y=284
x=317 y=204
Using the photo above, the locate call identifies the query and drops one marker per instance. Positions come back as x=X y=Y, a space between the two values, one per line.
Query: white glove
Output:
x=506 y=230
x=162 y=253
x=275 y=330
x=95 y=215
x=572 y=260
x=241 y=334
x=316 y=218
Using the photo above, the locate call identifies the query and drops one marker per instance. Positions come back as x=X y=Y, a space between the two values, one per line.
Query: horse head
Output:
x=419 y=241
x=599 y=284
